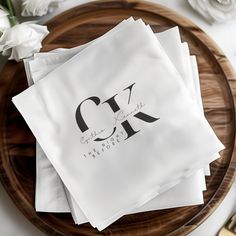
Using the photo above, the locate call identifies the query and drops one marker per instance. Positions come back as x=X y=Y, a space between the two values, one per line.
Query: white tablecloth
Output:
x=12 y=222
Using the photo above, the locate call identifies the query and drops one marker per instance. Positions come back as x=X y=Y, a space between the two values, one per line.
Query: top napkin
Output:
x=118 y=126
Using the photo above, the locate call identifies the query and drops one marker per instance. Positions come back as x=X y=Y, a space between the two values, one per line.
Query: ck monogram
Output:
x=119 y=119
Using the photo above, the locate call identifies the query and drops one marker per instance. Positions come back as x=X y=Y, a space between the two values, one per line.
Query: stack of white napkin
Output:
x=119 y=125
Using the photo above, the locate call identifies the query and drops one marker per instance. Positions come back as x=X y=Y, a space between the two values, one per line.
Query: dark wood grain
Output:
x=78 y=26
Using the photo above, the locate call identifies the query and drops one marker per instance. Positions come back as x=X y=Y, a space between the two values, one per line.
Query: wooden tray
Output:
x=78 y=26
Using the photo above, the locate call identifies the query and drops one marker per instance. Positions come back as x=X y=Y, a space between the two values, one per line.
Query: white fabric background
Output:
x=12 y=222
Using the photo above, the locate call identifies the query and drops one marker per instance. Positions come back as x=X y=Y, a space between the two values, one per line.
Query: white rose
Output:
x=22 y=40
x=38 y=7
x=215 y=10
x=4 y=20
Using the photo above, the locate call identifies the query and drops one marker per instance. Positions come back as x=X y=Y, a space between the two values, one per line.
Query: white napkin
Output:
x=187 y=193
x=169 y=118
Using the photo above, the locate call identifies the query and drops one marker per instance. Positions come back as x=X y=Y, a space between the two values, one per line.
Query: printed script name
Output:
x=91 y=136
x=121 y=115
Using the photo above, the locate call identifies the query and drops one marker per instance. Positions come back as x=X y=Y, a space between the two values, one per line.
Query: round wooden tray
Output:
x=80 y=25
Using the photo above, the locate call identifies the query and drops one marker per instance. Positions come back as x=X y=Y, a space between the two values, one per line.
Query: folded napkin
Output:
x=189 y=192
x=107 y=127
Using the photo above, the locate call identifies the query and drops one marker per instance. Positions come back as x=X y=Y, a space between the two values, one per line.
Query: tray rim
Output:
x=215 y=51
